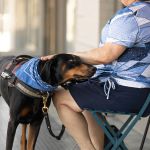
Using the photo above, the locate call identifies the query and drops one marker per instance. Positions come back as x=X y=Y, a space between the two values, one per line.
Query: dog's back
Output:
x=4 y=61
x=7 y=65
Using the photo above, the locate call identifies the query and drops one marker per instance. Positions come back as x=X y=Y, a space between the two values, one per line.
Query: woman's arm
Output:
x=102 y=55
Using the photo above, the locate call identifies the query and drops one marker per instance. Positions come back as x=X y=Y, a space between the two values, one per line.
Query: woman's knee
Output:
x=58 y=97
x=63 y=98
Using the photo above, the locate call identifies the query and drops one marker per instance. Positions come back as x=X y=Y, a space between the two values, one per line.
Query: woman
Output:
x=122 y=80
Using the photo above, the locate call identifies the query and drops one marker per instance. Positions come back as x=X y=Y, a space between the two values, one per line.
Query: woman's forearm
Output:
x=89 y=56
x=101 y=55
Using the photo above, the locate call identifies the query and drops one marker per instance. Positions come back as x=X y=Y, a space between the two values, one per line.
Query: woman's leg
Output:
x=72 y=117
x=95 y=131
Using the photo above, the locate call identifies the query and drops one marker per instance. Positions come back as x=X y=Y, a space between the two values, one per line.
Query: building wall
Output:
x=90 y=17
x=87 y=24
x=107 y=9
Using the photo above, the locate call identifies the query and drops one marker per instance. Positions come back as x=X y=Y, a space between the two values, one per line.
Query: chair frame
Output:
x=145 y=133
x=116 y=138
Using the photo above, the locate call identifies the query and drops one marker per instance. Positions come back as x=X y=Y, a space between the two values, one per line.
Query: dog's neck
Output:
x=47 y=73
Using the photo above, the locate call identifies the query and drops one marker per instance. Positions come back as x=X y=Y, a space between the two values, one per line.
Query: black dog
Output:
x=27 y=108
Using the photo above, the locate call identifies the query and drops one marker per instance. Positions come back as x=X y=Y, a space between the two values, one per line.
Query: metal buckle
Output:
x=45 y=108
x=5 y=75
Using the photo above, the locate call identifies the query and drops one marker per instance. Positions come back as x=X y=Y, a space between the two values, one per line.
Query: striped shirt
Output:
x=130 y=27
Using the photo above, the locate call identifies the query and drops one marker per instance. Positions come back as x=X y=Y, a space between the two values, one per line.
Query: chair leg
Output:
x=115 y=137
x=145 y=134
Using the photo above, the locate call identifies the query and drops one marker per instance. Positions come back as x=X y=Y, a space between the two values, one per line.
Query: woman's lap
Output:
x=90 y=95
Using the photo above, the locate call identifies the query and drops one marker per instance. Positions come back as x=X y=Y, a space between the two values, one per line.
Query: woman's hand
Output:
x=44 y=58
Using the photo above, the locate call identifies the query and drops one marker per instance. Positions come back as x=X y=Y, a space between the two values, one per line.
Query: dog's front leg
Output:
x=11 y=130
x=23 y=142
x=34 y=128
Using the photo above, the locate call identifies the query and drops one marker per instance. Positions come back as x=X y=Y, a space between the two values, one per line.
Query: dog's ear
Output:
x=45 y=70
x=50 y=71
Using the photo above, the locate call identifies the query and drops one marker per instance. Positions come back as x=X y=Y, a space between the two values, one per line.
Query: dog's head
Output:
x=64 y=68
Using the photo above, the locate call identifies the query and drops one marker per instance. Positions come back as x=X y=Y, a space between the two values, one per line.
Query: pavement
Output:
x=46 y=142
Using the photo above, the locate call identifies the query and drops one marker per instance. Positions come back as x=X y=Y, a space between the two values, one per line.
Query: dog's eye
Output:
x=71 y=60
x=74 y=62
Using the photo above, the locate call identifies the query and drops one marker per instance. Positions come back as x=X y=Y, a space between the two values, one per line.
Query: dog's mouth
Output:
x=75 y=79
x=81 y=78
x=92 y=71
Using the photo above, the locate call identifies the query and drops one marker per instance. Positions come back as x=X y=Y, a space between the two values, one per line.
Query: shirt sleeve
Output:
x=123 y=30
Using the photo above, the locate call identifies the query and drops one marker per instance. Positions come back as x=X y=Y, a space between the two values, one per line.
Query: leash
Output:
x=45 y=113
x=33 y=93
x=38 y=94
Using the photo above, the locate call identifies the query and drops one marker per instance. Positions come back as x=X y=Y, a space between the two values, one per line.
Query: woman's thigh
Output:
x=63 y=97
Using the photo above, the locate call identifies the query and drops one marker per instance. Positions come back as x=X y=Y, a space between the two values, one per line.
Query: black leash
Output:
x=59 y=136
x=45 y=113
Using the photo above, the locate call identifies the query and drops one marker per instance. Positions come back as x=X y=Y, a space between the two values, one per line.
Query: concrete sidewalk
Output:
x=46 y=142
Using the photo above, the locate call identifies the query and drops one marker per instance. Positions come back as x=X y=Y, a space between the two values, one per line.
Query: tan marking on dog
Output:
x=31 y=138
x=23 y=141
x=81 y=70
x=25 y=111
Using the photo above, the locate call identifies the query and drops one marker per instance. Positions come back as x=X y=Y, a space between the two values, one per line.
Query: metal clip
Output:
x=5 y=75
x=45 y=108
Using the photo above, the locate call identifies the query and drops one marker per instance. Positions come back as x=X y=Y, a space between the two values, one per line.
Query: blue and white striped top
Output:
x=130 y=27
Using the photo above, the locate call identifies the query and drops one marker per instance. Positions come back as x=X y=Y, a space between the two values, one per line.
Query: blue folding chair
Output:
x=116 y=137
x=145 y=133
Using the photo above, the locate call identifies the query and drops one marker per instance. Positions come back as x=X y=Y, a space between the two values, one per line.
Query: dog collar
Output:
x=28 y=73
